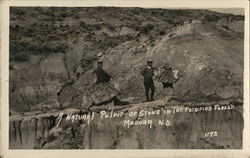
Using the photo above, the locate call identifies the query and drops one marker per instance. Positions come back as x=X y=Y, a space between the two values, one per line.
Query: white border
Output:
x=4 y=12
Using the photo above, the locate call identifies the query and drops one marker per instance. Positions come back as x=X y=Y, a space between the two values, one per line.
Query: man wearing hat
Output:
x=101 y=75
x=148 y=74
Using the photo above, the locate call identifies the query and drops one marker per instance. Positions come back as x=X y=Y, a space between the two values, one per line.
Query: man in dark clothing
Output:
x=148 y=74
x=101 y=75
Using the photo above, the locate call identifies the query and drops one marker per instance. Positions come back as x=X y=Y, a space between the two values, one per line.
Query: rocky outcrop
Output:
x=187 y=132
x=34 y=85
x=206 y=50
x=29 y=128
x=116 y=128
x=52 y=56
x=98 y=94
x=166 y=76
x=23 y=133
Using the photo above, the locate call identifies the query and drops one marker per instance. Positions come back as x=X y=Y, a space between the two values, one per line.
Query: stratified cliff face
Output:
x=23 y=133
x=117 y=129
x=53 y=52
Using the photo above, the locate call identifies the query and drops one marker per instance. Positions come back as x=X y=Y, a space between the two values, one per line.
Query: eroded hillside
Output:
x=53 y=52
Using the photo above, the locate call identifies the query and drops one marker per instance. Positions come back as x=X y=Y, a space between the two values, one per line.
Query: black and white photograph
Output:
x=115 y=77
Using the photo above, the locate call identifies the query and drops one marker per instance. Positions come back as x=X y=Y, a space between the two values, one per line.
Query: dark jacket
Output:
x=148 y=73
x=101 y=75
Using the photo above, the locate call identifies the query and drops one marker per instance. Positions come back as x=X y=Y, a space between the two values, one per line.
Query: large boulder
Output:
x=98 y=94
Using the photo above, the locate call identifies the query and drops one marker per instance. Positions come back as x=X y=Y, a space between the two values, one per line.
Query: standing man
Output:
x=101 y=75
x=148 y=74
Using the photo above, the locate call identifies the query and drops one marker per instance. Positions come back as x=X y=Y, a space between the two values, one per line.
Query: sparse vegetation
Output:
x=48 y=29
x=145 y=29
x=162 y=33
x=206 y=61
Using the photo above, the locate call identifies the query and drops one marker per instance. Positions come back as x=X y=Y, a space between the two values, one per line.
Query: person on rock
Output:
x=148 y=74
x=108 y=89
x=101 y=75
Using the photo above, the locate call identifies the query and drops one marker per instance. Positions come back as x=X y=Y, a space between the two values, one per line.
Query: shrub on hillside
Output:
x=145 y=29
x=212 y=18
x=162 y=33
x=20 y=56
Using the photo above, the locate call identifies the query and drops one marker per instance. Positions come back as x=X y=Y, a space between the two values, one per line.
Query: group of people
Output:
x=147 y=73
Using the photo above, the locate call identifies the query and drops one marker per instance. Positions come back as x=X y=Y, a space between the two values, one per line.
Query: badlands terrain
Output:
x=53 y=52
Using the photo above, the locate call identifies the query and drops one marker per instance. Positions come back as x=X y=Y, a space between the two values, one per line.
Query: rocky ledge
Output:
x=150 y=125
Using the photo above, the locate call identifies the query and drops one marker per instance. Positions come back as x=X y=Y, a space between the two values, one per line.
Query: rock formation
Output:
x=186 y=129
x=53 y=52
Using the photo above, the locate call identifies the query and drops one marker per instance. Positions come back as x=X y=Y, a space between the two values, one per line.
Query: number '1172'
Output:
x=211 y=134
